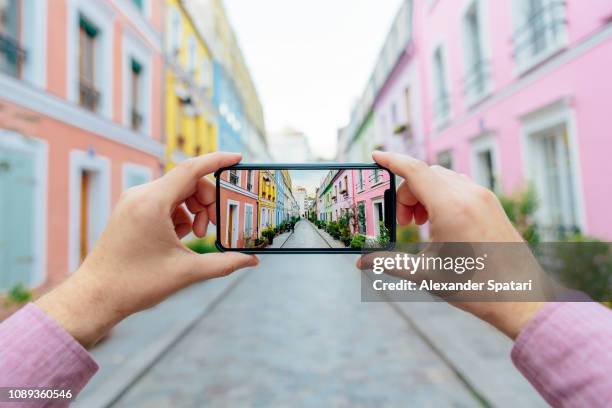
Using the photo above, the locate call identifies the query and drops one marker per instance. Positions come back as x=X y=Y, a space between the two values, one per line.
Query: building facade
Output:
x=267 y=199
x=191 y=119
x=80 y=121
x=239 y=206
x=498 y=92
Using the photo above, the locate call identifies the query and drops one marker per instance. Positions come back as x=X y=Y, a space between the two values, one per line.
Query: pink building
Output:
x=342 y=193
x=370 y=186
x=519 y=93
x=80 y=121
x=513 y=94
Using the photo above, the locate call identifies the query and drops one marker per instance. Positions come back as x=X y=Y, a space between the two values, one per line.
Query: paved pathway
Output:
x=306 y=235
x=295 y=332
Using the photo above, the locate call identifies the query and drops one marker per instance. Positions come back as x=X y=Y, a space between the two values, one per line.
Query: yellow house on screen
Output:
x=267 y=199
x=190 y=114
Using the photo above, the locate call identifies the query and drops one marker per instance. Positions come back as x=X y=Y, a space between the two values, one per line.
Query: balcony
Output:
x=12 y=56
x=476 y=81
x=541 y=34
x=89 y=97
x=136 y=121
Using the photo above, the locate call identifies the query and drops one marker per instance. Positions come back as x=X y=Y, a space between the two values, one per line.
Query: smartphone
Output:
x=305 y=208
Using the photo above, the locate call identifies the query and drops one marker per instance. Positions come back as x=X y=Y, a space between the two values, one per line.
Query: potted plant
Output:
x=269 y=234
x=358 y=241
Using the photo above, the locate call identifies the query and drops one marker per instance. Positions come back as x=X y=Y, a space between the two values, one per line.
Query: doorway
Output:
x=379 y=215
x=232 y=224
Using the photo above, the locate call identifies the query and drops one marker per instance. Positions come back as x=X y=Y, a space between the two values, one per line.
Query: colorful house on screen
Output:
x=239 y=207
x=267 y=199
x=370 y=186
x=80 y=121
x=191 y=120
x=280 y=197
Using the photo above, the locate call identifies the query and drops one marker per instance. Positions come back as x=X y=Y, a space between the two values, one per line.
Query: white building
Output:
x=300 y=197
x=290 y=146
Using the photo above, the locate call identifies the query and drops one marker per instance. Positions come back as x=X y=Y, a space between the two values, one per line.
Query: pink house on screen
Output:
x=370 y=186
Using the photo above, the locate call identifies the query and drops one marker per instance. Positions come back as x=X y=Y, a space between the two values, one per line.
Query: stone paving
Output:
x=295 y=332
x=306 y=235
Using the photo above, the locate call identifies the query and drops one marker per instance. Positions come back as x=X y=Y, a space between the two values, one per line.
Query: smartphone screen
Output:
x=305 y=208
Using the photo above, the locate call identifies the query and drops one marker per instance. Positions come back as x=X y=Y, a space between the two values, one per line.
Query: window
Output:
x=376 y=176
x=250 y=178
x=484 y=161
x=191 y=54
x=441 y=103
x=88 y=95
x=205 y=73
x=234 y=177
x=476 y=68
x=248 y=221
x=360 y=179
x=540 y=30
x=554 y=181
x=136 y=90
x=12 y=55
x=362 y=217
x=174 y=33
x=445 y=159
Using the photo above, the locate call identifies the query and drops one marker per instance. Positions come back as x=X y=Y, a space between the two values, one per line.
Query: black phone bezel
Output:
x=389 y=197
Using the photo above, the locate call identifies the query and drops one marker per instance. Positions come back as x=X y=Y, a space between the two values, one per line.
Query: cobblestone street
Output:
x=295 y=332
x=306 y=235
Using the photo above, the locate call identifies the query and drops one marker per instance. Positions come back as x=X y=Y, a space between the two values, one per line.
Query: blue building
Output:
x=231 y=121
x=280 y=197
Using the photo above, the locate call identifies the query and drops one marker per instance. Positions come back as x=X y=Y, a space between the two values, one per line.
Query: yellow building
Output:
x=190 y=114
x=267 y=199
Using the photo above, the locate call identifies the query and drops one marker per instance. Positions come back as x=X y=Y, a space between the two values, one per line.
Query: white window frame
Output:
x=101 y=201
x=482 y=10
x=479 y=145
x=15 y=141
x=441 y=122
x=129 y=168
x=381 y=201
x=34 y=40
x=102 y=15
x=134 y=47
x=174 y=29
x=558 y=113
x=522 y=65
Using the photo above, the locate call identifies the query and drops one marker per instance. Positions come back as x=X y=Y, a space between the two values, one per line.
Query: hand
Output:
x=139 y=260
x=458 y=210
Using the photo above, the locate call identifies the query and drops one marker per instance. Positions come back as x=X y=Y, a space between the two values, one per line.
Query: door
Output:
x=378 y=217
x=17 y=193
x=232 y=230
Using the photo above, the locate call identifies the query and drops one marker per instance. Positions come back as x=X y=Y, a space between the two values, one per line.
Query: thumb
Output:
x=214 y=265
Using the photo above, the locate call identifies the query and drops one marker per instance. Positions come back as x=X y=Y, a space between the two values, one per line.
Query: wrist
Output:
x=81 y=307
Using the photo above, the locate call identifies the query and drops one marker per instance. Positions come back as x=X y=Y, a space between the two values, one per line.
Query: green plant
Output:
x=333 y=229
x=269 y=234
x=18 y=295
x=358 y=241
x=202 y=245
x=408 y=234
x=383 y=236
x=585 y=265
x=520 y=208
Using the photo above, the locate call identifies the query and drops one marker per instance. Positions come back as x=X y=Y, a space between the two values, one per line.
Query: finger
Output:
x=193 y=205
x=422 y=181
x=420 y=214
x=212 y=213
x=404 y=214
x=206 y=192
x=180 y=182
x=182 y=222
x=405 y=196
x=200 y=224
x=219 y=264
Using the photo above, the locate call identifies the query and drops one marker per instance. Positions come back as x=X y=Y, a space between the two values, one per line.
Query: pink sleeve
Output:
x=36 y=352
x=566 y=354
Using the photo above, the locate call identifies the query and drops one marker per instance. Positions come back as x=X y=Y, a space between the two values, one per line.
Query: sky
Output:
x=311 y=59
x=309 y=179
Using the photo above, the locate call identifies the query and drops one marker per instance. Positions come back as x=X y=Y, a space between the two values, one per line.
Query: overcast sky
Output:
x=311 y=59
x=309 y=179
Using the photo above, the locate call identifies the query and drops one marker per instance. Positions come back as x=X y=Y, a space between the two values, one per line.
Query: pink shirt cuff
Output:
x=38 y=352
x=565 y=351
